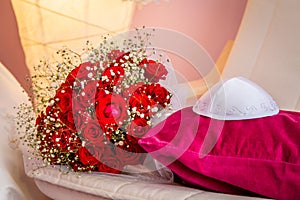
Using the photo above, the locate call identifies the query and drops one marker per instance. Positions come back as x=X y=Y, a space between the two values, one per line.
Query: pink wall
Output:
x=210 y=22
x=11 y=52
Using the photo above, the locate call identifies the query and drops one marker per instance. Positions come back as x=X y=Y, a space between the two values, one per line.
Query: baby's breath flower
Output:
x=47 y=128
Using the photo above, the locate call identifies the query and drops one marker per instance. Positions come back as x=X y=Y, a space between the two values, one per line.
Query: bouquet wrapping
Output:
x=97 y=110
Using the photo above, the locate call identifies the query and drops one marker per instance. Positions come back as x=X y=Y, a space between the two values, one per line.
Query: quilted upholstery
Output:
x=58 y=185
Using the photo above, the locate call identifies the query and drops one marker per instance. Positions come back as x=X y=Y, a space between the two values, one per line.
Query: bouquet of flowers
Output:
x=93 y=113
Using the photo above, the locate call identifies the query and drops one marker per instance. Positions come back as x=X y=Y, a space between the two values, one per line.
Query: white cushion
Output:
x=93 y=186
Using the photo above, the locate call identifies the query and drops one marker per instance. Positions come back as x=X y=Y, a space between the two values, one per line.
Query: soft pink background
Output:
x=210 y=22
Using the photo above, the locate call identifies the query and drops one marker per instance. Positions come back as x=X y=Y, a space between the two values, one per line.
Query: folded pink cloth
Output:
x=255 y=156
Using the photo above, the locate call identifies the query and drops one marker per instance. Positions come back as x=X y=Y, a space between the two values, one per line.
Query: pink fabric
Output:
x=260 y=156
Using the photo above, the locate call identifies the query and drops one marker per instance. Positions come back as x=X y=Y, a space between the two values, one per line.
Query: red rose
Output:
x=53 y=113
x=63 y=98
x=154 y=71
x=130 y=153
x=39 y=119
x=132 y=142
x=39 y=122
x=67 y=119
x=87 y=71
x=111 y=109
x=141 y=102
x=136 y=130
x=115 y=169
x=87 y=95
x=77 y=166
x=101 y=93
x=80 y=118
x=99 y=150
x=129 y=157
x=84 y=71
x=159 y=94
x=83 y=105
x=92 y=132
x=135 y=88
x=140 y=106
x=109 y=130
x=115 y=54
x=105 y=85
x=78 y=105
x=140 y=121
x=86 y=157
x=110 y=163
x=62 y=139
x=121 y=57
x=112 y=75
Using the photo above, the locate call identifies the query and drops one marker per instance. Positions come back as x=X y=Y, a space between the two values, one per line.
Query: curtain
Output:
x=47 y=25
